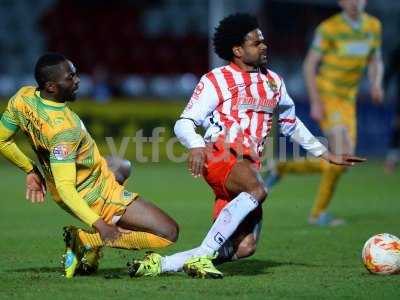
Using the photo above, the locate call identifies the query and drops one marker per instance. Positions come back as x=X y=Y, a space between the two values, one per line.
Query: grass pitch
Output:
x=293 y=260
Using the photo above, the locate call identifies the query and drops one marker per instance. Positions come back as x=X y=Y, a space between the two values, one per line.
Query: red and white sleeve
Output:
x=292 y=126
x=201 y=105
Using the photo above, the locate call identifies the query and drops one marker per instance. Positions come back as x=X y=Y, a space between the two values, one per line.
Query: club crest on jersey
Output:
x=272 y=85
x=61 y=151
x=127 y=195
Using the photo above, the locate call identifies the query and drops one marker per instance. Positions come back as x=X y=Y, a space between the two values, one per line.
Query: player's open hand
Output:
x=35 y=187
x=197 y=157
x=342 y=160
x=108 y=233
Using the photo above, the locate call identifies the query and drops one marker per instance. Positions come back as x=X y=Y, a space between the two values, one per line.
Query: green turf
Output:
x=293 y=260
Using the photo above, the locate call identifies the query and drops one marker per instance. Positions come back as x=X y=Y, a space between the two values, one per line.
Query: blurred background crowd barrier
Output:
x=140 y=60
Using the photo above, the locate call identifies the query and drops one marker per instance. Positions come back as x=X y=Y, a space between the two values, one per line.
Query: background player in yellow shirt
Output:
x=344 y=45
x=74 y=171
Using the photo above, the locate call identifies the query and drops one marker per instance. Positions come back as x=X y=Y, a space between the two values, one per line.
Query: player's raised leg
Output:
x=243 y=243
x=244 y=182
x=247 y=190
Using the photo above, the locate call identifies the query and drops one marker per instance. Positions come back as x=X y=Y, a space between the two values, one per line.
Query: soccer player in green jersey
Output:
x=77 y=176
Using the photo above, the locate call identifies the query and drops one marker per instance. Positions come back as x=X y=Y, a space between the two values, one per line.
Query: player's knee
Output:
x=121 y=168
x=246 y=248
x=125 y=170
x=171 y=232
x=259 y=193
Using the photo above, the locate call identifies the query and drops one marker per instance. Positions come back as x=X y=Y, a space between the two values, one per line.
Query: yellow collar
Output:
x=49 y=102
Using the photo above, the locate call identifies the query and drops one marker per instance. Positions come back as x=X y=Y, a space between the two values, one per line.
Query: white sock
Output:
x=175 y=262
x=227 y=222
x=224 y=226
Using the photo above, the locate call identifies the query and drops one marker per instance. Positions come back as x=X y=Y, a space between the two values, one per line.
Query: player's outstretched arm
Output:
x=343 y=160
x=303 y=136
x=293 y=127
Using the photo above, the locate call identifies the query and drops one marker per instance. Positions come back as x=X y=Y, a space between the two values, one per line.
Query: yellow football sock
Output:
x=130 y=240
x=306 y=166
x=330 y=176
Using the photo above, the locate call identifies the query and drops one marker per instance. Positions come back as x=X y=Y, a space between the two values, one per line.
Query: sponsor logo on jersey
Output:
x=360 y=48
x=252 y=103
x=61 y=151
x=198 y=90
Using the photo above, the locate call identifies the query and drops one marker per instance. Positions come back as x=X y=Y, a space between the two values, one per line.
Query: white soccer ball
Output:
x=381 y=254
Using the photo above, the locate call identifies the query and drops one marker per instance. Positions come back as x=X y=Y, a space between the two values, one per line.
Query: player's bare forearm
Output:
x=310 y=73
x=375 y=69
x=375 y=75
x=342 y=160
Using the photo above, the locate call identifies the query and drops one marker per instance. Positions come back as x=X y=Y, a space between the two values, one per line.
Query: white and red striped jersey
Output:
x=237 y=106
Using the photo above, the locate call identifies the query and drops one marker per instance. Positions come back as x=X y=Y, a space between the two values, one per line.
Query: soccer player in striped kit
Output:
x=235 y=104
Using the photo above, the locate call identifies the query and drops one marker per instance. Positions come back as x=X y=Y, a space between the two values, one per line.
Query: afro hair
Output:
x=231 y=32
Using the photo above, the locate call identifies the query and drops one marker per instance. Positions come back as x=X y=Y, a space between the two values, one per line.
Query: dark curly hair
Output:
x=231 y=32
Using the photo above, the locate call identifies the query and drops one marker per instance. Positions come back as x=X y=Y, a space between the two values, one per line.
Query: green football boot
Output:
x=78 y=259
x=71 y=257
x=89 y=262
x=149 y=266
x=202 y=267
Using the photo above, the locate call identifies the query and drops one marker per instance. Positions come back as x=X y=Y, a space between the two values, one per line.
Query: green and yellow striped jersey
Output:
x=58 y=135
x=346 y=48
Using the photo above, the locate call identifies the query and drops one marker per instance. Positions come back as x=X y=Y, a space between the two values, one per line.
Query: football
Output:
x=381 y=254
